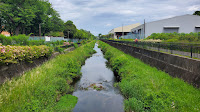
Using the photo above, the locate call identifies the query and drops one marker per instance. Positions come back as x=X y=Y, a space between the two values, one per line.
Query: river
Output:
x=95 y=90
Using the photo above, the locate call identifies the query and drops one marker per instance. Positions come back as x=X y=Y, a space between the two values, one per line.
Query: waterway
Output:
x=95 y=90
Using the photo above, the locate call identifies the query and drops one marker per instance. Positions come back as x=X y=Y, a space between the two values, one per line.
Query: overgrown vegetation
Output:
x=22 y=40
x=176 y=37
x=41 y=88
x=149 y=89
x=14 y=54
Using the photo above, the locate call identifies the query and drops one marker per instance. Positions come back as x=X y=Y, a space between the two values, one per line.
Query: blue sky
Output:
x=101 y=16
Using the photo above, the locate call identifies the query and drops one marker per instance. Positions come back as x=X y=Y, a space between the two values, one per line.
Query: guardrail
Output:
x=183 y=49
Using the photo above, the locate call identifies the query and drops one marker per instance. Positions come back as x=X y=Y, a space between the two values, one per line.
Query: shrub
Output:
x=175 y=37
x=14 y=54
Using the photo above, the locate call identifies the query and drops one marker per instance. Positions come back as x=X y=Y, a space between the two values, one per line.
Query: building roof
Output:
x=175 y=17
x=125 y=28
x=181 y=16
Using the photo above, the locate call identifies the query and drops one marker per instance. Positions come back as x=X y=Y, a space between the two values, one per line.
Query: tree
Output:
x=17 y=13
x=100 y=35
x=25 y=16
x=69 y=27
x=196 y=13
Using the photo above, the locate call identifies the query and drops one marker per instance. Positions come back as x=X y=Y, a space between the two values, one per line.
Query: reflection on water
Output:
x=95 y=89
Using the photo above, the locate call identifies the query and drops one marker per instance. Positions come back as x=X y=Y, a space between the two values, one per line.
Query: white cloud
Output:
x=194 y=8
x=108 y=24
x=100 y=15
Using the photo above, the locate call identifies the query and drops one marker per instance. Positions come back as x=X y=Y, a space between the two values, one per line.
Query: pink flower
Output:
x=3 y=50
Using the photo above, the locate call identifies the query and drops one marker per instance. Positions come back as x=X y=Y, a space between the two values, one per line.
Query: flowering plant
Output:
x=14 y=54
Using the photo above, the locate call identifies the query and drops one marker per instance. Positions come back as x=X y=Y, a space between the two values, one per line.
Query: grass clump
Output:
x=65 y=100
x=149 y=89
x=41 y=88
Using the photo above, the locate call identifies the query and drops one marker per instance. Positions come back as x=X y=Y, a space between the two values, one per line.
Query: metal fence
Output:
x=183 y=49
x=133 y=36
x=53 y=39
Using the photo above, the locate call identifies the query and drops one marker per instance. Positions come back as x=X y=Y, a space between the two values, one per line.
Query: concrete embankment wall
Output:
x=13 y=70
x=177 y=66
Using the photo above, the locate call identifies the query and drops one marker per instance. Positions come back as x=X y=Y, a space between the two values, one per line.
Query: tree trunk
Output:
x=17 y=30
x=24 y=30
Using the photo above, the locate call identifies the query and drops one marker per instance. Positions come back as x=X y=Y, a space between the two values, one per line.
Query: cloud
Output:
x=194 y=8
x=100 y=16
x=108 y=24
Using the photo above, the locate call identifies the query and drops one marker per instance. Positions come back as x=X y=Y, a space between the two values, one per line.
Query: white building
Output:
x=123 y=30
x=180 y=24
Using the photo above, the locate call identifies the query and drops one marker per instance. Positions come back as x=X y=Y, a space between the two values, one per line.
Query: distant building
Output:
x=123 y=30
x=179 y=24
x=5 y=33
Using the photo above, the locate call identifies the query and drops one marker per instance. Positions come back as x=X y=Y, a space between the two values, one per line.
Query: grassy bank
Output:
x=41 y=88
x=149 y=89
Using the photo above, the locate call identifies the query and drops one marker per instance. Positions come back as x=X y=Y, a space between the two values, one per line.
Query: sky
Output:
x=101 y=16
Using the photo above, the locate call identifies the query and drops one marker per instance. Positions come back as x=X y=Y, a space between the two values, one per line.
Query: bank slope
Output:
x=149 y=89
x=41 y=88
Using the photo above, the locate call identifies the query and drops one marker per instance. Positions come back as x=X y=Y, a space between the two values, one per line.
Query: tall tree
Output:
x=70 y=28
x=18 y=13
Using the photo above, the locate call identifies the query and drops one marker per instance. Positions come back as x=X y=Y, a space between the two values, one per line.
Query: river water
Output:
x=95 y=90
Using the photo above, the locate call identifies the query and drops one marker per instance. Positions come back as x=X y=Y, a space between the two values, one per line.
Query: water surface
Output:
x=96 y=74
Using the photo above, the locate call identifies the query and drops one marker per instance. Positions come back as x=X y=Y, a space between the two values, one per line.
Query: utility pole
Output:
x=68 y=34
x=122 y=30
x=144 y=28
x=40 y=30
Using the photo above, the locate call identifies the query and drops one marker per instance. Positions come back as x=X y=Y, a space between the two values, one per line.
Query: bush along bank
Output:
x=148 y=89
x=41 y=88
x=14 y=54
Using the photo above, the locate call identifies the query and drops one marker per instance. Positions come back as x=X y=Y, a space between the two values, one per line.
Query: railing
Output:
x=183 y=49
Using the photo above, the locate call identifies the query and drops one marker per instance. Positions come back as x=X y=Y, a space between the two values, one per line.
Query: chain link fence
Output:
x=183 y=49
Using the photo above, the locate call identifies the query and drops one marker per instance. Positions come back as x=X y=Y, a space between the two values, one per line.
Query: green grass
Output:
x=41 y=88
x=149 y=89
x=66 y=104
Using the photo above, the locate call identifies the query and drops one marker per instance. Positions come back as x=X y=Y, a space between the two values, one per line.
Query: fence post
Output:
x=191 y=51
x=171 y=48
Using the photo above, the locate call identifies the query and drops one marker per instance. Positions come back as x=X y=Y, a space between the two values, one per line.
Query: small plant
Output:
x=75 y=45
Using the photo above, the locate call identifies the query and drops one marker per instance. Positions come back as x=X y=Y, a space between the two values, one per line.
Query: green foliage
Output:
x=148 y=89
x=75 y=45
x=69 y=26
x=55 y=34
x=24 y=17
x=196 y=13
x=106 y=36
x=66 y=103
x=41 y=88
x=83 y=34
x=14 y=40
x=14 y=54
x=176 y=37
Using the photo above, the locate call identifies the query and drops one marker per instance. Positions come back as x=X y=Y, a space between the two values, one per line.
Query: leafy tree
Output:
x=69 y=26
x=19 y=13
x=100 y=35
x=196 y=13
